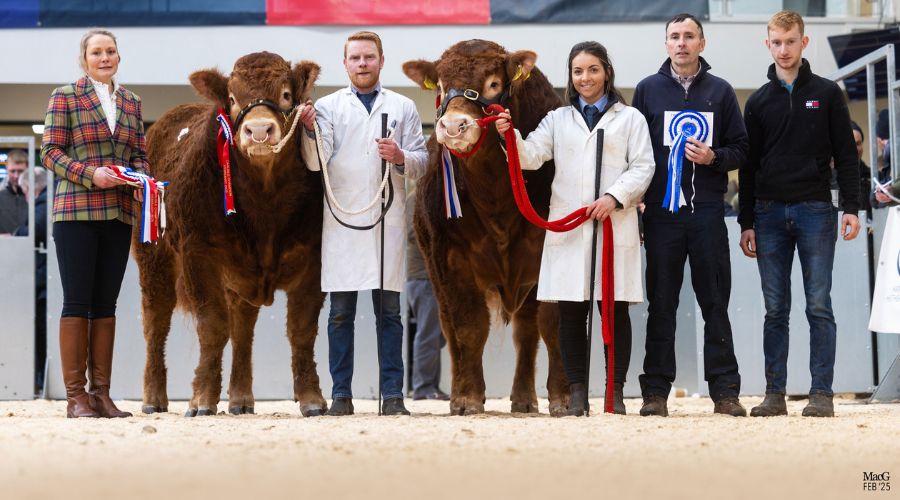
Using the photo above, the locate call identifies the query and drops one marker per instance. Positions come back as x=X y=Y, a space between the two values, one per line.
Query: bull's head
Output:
x=468 y=77
x=260 y=96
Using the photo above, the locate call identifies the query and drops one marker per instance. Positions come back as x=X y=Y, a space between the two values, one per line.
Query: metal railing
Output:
x=867 y=63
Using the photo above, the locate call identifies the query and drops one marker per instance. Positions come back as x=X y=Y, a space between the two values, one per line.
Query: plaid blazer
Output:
x=77 y=140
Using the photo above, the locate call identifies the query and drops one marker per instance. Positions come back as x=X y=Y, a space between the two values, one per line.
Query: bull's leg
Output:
x=158 y=297
x=557 y=383
x=469 y=324
x=302 y=329
x=243 y=317
x=203 y=285
x=525 y=337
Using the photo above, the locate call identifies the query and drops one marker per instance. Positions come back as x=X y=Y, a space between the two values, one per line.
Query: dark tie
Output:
x=367 y=99
x=591 y=114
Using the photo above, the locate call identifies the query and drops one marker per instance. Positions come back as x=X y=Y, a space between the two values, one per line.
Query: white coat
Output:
x=351 y=258
x=627 y=168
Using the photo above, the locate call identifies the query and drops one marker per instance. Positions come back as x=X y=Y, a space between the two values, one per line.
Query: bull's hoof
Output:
x=150 y=409
x=312 y=410
x=558 y=410
x=206 y=412
x=524 y=408
x=240 y=410
x=466 y=407
x=192 y=412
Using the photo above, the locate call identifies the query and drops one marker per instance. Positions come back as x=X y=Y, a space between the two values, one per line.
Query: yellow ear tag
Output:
x=527 y=76
x=518 y=73
x=429 y=84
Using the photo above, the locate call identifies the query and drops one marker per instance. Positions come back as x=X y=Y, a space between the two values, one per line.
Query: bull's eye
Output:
x=495 y=85
x=286 y=96
x=231 y=100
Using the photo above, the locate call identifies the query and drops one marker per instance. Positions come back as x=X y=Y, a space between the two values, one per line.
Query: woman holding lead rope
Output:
x=569 y=136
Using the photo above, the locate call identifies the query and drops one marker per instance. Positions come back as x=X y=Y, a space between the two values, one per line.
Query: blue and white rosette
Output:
x=685 y=124
x=452 y=208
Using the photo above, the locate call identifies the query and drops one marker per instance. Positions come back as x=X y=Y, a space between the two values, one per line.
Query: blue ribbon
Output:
x=685 y=124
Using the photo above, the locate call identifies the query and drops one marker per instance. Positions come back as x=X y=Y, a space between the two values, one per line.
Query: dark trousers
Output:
x=92 y=256
x=669 y=239
x=572 y=343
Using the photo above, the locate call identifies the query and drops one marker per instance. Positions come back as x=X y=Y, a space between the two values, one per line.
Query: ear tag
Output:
x=519 y=73
x=429 y=84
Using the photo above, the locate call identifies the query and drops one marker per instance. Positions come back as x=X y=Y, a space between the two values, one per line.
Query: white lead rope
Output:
x=328 y=191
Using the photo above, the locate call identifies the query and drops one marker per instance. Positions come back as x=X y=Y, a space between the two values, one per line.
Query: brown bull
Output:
x=491 y=256
x=222 y=269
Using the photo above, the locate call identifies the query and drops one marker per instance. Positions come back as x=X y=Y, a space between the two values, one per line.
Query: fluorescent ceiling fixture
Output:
x=38 y=128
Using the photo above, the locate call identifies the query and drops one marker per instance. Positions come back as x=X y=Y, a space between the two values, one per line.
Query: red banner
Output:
x=375 y=12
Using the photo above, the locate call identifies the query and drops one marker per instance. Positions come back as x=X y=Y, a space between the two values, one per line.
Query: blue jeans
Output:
x=811 y=227
x=340 y=343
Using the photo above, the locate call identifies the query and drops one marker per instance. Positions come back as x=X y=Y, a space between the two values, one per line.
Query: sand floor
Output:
x=279 y=454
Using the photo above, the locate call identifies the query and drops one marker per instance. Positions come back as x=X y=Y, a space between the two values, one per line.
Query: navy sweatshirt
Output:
x=659 y=93
x=793 y=137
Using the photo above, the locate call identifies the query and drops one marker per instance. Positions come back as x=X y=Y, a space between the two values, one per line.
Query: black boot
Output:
x=393 y=406
x=618 y=399
x=772 y=406
x=340 y=407
x=578 y=400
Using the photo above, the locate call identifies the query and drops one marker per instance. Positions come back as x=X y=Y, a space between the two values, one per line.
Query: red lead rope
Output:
x=567 y=223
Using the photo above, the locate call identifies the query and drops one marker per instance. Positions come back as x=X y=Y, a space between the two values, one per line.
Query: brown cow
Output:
x=224 y=268
x=491 y=256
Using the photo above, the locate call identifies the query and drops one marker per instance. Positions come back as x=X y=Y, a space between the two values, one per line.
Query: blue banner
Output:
x=593 y=11
x=110 y=13
x=19 y=13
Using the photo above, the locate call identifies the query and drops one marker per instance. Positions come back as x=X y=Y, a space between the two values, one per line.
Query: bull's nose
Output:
x=258 y=132
x=452 y=127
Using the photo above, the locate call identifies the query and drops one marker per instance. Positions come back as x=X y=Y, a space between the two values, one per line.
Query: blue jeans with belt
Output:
x=811 y=227
x=340 y=342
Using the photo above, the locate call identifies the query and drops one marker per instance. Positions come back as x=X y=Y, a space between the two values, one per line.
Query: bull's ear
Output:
x=518 y=68
x=423 y=72
x=304 y=74
x=211 y=84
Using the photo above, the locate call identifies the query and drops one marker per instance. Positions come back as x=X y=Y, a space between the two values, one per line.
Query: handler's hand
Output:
x=601 y=208
x=748 y=243
x=138 y=195
x=104 y=178
x=698 y=152
x=881 y=196
x=503 y=123
x=852 y=221
x=308 y=115
x=390 y=151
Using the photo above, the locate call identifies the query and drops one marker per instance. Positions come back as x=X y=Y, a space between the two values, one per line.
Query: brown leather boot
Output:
x=73 y=354
x=103 y=334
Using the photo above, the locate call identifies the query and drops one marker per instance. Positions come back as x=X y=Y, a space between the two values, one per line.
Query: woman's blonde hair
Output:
x=82 y=57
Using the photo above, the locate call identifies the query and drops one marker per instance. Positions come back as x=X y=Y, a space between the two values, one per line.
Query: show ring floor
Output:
x=278 y=454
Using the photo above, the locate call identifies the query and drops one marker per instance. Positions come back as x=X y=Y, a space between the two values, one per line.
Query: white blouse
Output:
x=107 y=101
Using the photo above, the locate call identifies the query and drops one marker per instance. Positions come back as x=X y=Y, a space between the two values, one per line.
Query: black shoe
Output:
x=340 y=407
x=618 y=399
x=578 y=400
x=654 y=406
x=820 y=405
x=772 y=406
x=730 y=406
x=436 y=394
x=393 y=406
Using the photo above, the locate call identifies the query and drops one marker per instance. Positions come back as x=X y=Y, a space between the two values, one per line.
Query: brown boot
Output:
x=103 y=334
x=73 y=354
